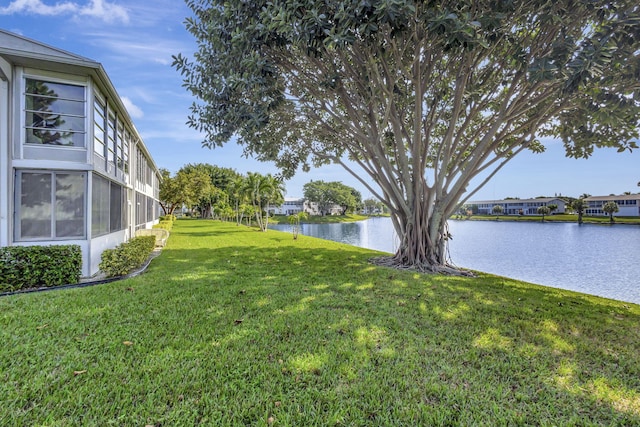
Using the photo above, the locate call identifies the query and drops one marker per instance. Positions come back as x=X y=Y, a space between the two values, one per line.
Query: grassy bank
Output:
x=553 y=218
x=317 y=219
x=231 y=326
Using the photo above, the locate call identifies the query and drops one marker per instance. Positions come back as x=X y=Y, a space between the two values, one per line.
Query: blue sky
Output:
x=134 y=41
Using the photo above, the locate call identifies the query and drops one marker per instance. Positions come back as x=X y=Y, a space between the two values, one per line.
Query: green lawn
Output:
x=554 y=218
x=317 y=219
x=231 y=326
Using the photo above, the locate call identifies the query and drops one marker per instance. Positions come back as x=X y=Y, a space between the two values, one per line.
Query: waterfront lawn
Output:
x=318 y=219
x=232 y=326
x=554 y=218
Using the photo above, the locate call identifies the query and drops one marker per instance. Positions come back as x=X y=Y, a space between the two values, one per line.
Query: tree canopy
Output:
x=422 y=96
x=327 y=194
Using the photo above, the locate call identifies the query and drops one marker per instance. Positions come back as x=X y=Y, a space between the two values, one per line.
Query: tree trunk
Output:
x=424 y=236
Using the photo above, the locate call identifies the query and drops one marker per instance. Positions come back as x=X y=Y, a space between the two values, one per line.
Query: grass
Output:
x=555 y=218
x=230 y=326
x=317 y=219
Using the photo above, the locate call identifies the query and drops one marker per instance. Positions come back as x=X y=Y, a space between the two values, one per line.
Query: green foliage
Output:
x=166 y=225
x=543 y=210
x=171 y=218
x=610 y=208
x=579 y=205
x=23 y=267
x=326 y=194
x=373 y=206
x=497 y=210
x=294 y=220
x=127 y=256
x=263 y=192
x=187 y=187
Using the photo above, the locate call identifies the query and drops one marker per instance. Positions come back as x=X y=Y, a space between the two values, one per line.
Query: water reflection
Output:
x=594 y=259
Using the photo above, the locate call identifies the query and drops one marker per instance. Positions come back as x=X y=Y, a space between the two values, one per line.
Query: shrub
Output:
x=127 y=256
x=23 y=267
x=166 y=225
x=168 y=218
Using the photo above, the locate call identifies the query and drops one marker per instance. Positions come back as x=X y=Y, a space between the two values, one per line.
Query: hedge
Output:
x=24 y=267
x=167 y=225
x=127 y=256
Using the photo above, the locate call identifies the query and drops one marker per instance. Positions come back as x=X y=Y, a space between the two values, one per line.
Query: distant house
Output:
x=292 y=206
x=73 y=168
x=517 y=206
x=629 y=205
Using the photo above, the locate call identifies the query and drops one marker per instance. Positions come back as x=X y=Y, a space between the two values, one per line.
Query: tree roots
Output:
x=449 y=270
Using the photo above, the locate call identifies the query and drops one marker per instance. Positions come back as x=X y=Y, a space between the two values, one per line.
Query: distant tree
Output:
x=610 y=208
x=239 y=197
x=552 y=207
x=182 y=189
x=372 y=205
x=263 y=191
x=543 y=210
x=585 y=195
x=579 y=205
x=220 y=181
x=171 y=193
x=327 y=194
x=627 y=193
x=497 y=210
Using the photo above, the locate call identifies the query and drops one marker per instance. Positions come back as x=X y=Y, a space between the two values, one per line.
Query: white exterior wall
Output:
x=5 y=177
x=50 y=64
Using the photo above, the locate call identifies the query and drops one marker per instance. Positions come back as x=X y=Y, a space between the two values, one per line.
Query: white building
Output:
x=73 y=168
x=629 y=205
x=293 y=205
x=518 y=206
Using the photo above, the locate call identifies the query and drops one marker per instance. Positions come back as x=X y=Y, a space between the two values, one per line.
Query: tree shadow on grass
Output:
x=458 y=350
x=234 y=330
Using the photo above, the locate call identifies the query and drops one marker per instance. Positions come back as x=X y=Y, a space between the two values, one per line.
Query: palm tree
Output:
x=579 y=205
x=264 y=191
x=552 y=207
x=543 y=210
x=610 y=208
x=239 y=196
x=273 y=194
x=497 y=210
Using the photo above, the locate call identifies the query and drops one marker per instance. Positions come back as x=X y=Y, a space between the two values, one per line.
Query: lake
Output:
x=599 y=260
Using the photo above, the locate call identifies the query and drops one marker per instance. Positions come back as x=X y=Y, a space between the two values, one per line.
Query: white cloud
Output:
x=135 y=111
x=100 y=9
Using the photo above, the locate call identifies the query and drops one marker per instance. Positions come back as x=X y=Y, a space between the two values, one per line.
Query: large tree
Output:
x=430 y=99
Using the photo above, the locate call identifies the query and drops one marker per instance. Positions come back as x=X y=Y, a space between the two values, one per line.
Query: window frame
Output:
x=53 y=78
x=54 y=205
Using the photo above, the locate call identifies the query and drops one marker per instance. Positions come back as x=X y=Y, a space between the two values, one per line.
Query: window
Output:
x=111 y=138
x=125 y=152
x=120 y=146
x=99 y=125
x=54 y=113
x=107 y=214
x=51 y=205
